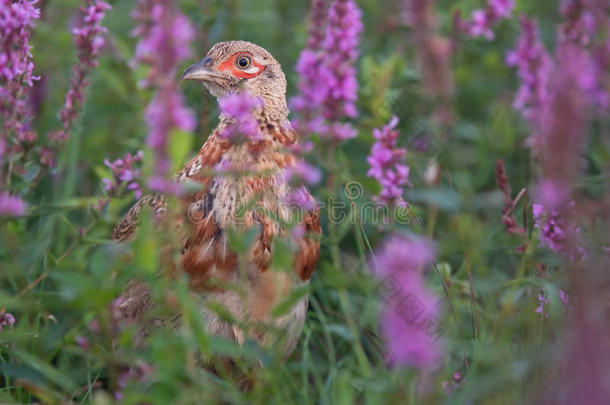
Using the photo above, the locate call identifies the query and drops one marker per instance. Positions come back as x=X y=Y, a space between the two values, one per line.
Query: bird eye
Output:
x=243 y=62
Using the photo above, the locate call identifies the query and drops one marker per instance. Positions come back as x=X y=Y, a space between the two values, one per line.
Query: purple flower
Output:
x=6 y=319
x=300 y=197
x=534 y=67
x=482 y=20
x=480 y=25
x=328 y=85
x=163 y=185
x=556 y=233
x=164 y=37
x=552 y=194
x=542 y=301
x=16 y=66
x=124 y=174
x=579 y=26
x=450 y=387
x=302 y=172
x=83 y=342
x=502 y=8
x=560 y=139
x=409 y=321
x=341 y=50
x=89 y=39
x=579 y=29
x=387 y=164
x=565 y=299
x=240 y=109
x=138 y=372
x=11 y=205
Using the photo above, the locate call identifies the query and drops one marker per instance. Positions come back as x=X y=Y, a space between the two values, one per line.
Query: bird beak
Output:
x=200 y=71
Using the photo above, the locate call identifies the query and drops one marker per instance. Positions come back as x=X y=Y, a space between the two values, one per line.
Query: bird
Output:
x=248 y=291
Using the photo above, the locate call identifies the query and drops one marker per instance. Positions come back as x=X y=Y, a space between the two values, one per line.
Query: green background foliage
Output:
x=60 y=271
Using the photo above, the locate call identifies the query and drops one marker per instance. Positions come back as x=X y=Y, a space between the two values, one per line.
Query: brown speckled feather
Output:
x=219 y=205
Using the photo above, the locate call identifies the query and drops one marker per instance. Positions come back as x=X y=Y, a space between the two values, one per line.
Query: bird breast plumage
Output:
x=249 y=175
x=240 y=188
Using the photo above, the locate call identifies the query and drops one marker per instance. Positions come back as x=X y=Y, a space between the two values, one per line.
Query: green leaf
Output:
x=240 y=241
x=179 y=146
x=286 y=305
x=443 y=198
x=282 y=255
x=340 y=330
x=145 y=245
x=50 y=372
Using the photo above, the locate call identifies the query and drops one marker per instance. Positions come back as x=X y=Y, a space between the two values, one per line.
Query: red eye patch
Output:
x=252 y=71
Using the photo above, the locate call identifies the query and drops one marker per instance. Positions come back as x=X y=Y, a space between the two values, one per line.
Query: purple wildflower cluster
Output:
x=579 y=26
x=124 y=174
x=311 y=69
x=409 y=323
x=534 y=66
x=16 y=68
x=89 y=39
x=164 y=37
x=138 y=372
x=240 y=109
x=543 y=300
x=556 y=231
x=328 y=85
x=386 y=161
x=482 y=20
x=6 y=319
x=579 y=30
x=456 y=382
x=561 y=136
x=300 y=197
x=296 y=176
x=556 y=96
x=11 y=205
x=302 y=172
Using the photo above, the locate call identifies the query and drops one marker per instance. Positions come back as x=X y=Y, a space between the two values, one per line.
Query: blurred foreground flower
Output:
x=409 y=323
x=240 y=108
x=133 y=374
x=297 y=176
x=302 y=172
x=164 y=37
x=11 y=205
x=534 y=67
x=579 y=26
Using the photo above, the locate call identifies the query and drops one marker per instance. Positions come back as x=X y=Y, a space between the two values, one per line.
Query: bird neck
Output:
x=275 y=110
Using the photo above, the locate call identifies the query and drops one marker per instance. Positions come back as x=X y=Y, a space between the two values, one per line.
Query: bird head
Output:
x=236 y=66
